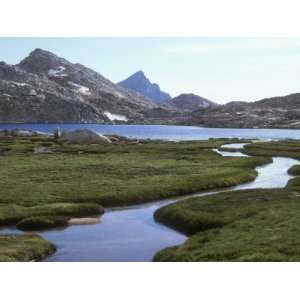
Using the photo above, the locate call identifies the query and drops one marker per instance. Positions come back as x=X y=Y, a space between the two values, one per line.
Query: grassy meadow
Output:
x=42 y=191
x=245 y=225
x=45 y=190
x=116 y=174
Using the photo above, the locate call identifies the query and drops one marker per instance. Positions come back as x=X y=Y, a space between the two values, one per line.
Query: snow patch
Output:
x=80 y=88
x=119 y=94
x=114 y=117
x=58 y=72
x=19 y=83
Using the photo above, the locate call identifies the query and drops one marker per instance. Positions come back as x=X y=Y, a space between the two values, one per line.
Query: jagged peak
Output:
x=141 y=84
x=139 y=74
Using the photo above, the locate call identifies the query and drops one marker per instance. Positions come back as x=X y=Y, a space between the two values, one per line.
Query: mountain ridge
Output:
x=46 y=88
x=189 y=102
x=274 y=112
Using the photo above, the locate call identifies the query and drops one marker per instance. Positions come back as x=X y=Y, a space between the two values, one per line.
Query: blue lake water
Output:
x=167 y=132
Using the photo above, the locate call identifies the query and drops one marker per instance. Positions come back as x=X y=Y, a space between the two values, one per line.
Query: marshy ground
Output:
x=44 y=190
x=246 y=225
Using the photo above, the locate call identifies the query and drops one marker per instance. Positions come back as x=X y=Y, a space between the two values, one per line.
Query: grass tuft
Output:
x=42 y=223
x=25 y=247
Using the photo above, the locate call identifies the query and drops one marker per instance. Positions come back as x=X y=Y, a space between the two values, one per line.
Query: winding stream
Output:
x=131 y=234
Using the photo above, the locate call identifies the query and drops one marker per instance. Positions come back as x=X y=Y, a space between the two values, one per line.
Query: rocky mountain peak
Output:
x=41 y=61
x=39 y=53
x=44 y=87
x=140 y=83
x=140 y=77
x=139 y=74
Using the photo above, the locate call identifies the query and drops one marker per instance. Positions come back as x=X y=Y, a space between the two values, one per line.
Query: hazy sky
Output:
x=220 y=69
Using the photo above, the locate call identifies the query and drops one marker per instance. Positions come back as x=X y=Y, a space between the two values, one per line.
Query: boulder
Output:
x=83 y=137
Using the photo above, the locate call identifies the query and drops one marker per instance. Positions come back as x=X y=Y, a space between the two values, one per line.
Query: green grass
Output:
x=246 y=225
x=229 y=149
x=75 y=180
x=201 y=213
x=11 y=214
x=116 y=174
x=42 y=223
x=294 y=170
x=26 y=247
x=285 y=148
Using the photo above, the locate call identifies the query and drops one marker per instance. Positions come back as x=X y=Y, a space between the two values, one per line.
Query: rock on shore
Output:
x=83 y=137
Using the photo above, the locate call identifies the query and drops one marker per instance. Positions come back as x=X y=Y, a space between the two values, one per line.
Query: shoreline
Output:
x=147 y=124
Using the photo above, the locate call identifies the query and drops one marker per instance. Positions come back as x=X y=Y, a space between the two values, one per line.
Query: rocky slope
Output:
x=46 y=88
x=140 y=83
x=191 y=102
x=276 y=112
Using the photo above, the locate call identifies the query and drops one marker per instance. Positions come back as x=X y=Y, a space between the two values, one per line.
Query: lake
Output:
x=167 y=132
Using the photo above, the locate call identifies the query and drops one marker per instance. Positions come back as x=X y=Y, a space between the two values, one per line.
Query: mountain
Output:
x=191 y=102
x=276 y=112
x=46 y=88
x=140 y=83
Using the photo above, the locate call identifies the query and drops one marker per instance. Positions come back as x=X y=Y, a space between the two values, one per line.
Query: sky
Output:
x=220 y=69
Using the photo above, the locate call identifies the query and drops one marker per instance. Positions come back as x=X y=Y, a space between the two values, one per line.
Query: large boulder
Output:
x=83 y=137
